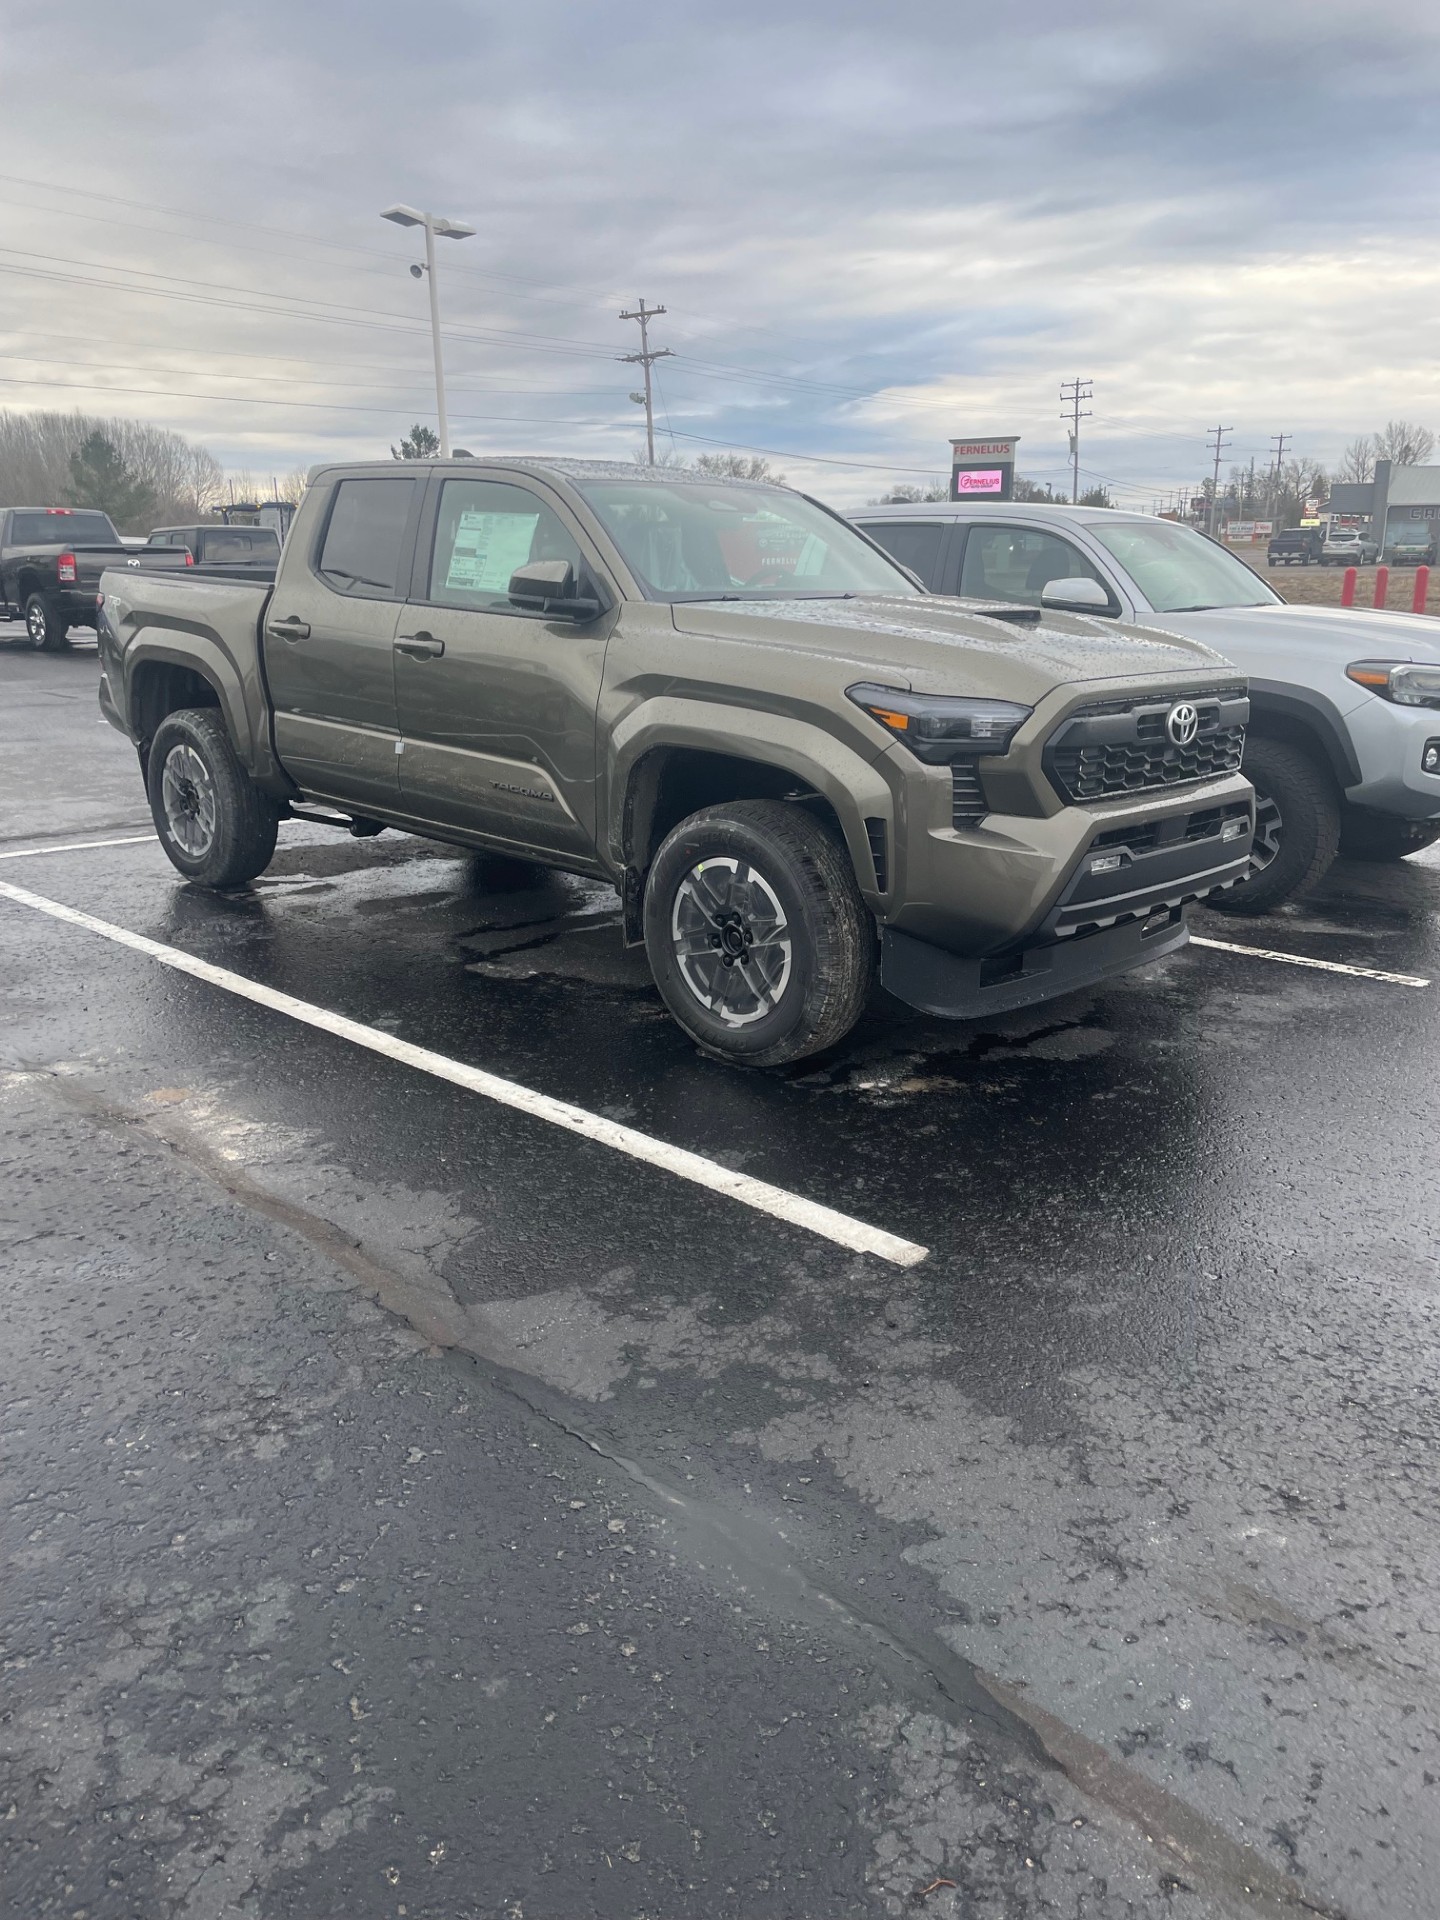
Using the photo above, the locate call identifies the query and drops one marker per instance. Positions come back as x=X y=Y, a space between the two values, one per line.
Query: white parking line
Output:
x=78 y=846
x=1300 y=960
x=857 y=1235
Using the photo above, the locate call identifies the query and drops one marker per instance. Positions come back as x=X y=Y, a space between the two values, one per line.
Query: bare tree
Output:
x=738 y=466
x=36 y=450
x=1357 y=463
x=1404 y=443
x=908 y=496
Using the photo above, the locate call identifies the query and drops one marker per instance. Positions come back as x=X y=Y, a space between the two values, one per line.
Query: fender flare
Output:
x=1310 y=712
x=213 y=665
x=853 y=785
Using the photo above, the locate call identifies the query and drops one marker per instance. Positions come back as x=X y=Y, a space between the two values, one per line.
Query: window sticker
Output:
x=488 y=548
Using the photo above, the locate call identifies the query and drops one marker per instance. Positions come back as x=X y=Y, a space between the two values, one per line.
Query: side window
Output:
x=484 y=531
x=1016 y=563
x=917 y=544
x=365 y=537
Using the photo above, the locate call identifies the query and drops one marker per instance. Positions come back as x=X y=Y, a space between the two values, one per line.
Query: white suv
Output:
x=1344 y=740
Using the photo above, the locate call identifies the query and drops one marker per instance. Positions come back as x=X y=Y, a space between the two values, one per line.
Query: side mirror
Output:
x=552 y=588
x=1076 y=595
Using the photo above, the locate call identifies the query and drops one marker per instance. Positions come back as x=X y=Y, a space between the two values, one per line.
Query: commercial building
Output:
x=1401 y=505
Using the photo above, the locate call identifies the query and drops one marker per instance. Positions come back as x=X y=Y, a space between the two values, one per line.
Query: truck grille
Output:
x=1114 y=747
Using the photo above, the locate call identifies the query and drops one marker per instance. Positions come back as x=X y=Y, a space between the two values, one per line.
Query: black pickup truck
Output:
x=51 y=560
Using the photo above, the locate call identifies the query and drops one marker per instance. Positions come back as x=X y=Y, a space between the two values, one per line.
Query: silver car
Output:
x=1344 y=742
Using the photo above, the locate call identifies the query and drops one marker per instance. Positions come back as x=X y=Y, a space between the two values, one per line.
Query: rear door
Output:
x=329 y=633
x=497 y=706
x=922 y=545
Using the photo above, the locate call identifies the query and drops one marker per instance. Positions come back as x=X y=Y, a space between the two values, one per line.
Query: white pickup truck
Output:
x=1344 y=742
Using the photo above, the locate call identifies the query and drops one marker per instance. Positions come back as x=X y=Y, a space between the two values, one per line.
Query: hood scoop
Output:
x=1013 y=613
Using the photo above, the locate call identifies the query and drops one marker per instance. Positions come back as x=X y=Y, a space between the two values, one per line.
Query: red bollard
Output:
x=1382 y=581
x=1347 y=591
x=1422 y=588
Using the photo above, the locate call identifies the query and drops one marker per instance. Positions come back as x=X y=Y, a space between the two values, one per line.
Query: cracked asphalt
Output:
x=410 y=1509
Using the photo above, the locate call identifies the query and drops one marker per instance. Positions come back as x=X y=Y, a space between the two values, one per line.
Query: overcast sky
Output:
x=873 y=227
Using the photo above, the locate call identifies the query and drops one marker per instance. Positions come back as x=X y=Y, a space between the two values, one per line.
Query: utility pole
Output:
x=646 y=359
x=1278 y=441
x=1220 y=445
x=1075 y=391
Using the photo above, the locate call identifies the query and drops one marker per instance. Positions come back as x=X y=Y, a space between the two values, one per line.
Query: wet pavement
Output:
x=411 y=1508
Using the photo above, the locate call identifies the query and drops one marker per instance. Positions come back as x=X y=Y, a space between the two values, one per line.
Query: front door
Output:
x=329 y=639
x=496 y=706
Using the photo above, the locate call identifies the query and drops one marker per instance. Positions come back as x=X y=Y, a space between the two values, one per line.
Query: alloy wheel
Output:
x=188 y=794
x=731 y=940
x=1268 y=826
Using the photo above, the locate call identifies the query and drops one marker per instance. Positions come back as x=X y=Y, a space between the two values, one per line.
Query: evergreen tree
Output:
x=100 y=478
x=421 y=443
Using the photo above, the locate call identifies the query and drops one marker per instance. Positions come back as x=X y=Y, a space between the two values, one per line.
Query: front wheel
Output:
x=214 y=823
x=1381 y=836
x=757 y=936
x=47 y=631
x=1297 y=827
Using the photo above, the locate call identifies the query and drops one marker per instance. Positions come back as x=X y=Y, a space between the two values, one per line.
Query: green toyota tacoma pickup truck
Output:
x=796 y=767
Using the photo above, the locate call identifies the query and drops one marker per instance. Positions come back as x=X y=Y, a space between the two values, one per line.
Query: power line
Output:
x=646 y=358
x=1075 y=391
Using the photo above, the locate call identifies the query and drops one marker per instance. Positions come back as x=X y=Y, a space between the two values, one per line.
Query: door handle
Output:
x=288 y=629
x=420 y=646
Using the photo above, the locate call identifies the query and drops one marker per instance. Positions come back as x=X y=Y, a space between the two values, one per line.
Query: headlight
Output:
x=1402 y=681
x=940 y=727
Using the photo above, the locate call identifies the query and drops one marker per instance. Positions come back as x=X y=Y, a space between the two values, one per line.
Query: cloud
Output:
x=872 y=228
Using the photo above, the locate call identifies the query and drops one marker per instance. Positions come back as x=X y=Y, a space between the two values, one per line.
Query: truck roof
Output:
x=950 y=509
x=541 y=465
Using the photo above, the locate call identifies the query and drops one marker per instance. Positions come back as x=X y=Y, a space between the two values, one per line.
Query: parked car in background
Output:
x=1410 y=543
x=1344 y=740
x=789 y=760
x=1297 y=547
x=51 y=559
x=217 y=545
x=1348 y=547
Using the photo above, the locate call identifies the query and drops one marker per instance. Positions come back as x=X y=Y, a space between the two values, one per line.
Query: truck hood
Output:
x=937 y=645
x=1360 y=633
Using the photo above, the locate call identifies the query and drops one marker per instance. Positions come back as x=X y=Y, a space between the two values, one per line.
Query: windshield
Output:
x=694 y=540
x=62 y=530
x=1180 y=571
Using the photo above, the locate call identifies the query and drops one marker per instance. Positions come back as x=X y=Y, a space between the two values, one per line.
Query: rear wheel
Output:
x=214 y=823
x=757 y=936
x=1381 y=836
x=1297 y=827
x=44 y=625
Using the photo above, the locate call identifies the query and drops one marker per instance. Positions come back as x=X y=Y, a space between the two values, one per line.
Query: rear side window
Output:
x=916 y=544
x=365 y=539
x=233 y=543
x=485 y=530
x=1018 y=563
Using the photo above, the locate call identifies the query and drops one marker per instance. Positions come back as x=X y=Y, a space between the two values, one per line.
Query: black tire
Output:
x=47 y=631
x=214 y=823
x=1381 y=836
x=777 y=874
x=1297 y=827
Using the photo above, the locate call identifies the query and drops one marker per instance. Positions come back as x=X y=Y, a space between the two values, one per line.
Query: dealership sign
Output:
x=983 y=467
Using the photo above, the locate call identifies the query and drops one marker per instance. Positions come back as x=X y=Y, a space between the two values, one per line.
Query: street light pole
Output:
x=433 y=223
x=435 y=338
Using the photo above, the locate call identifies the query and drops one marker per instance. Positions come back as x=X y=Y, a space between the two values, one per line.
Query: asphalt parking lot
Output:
x=425 y=1498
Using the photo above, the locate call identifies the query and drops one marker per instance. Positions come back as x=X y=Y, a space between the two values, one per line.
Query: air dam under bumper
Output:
x=944 y=983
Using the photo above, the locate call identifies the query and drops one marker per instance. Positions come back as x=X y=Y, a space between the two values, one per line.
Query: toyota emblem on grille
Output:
x=1182 y=723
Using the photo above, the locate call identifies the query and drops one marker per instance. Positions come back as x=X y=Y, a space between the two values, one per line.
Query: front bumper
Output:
x=1122 y=906
x=943 y=983
x=1392 y=746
